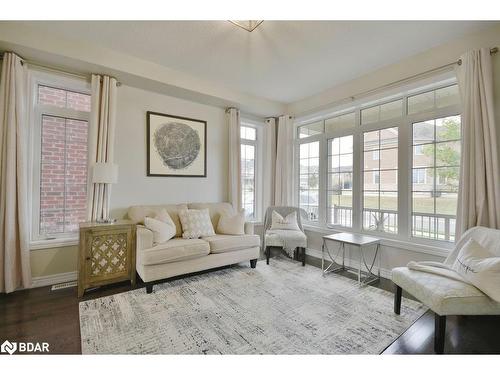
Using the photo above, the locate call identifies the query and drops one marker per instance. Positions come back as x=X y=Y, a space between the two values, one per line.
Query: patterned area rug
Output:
x=282 y=308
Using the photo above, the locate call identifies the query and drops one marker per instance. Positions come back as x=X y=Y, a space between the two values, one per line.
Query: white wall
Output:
x=391 y=256
x=422 y=62
x=133 y=186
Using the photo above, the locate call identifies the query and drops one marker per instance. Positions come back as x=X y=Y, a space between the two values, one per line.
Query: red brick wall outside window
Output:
x=63 y=163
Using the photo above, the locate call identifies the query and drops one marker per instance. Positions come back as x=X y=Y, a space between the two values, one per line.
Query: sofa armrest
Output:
x=144 y=238
x=249 y=229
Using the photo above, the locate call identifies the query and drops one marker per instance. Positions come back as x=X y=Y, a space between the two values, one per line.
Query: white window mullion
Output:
x=357 y=183
x=323 y=181
x=404 y=179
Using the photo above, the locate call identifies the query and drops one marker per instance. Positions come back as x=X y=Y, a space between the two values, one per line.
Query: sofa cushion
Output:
x=289 y=222
x=223 y=243
x=233 y=224
x=443 y=295
x=162 y=226
x=196 y=223
x=174 y=250
x=214 y=209
x=138 y=213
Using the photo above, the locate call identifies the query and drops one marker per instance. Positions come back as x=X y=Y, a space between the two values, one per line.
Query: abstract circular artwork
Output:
x=177 y=144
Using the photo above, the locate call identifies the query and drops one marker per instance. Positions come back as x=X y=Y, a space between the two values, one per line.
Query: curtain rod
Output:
x=56 y=70
x=386 y=86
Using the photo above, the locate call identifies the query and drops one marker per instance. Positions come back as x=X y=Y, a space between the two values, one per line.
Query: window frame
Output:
x=321 y=164
x=386 y=124
x=405 y=159
x=258 y=143
x=36 y=112
x=328 y=173
x=426 y=116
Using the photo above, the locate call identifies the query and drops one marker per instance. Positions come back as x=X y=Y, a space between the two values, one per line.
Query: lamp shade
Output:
x=105 y=173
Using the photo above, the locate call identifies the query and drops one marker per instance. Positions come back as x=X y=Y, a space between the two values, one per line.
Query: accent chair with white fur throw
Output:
x=283 y=229
x=466 y=283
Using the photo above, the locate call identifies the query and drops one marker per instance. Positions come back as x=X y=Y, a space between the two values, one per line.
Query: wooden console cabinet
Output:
x=106 y=254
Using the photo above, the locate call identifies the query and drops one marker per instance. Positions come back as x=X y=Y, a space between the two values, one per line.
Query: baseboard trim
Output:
x=57 y=278
x=385 y=273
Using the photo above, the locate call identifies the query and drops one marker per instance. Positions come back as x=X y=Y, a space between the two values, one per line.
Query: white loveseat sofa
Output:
x=180 y=256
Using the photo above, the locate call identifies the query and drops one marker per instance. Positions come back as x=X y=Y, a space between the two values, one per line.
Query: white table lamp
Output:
x=105 y=173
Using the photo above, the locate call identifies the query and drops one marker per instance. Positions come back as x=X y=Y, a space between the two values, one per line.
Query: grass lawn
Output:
x=445 y=205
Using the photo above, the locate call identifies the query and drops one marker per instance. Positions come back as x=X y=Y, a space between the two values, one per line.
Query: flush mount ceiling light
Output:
x=247 y=25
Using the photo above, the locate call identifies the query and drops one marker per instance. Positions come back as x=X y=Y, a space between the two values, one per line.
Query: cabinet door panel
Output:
x=108 y=255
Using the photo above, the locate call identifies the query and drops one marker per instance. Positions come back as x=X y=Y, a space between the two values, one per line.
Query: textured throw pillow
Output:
x=480 y=268
x=162 y=226
x=196 y=223
x=289 y=222
x=231 y=223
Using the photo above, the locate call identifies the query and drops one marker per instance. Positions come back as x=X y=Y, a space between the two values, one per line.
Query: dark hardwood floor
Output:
x=42 y=315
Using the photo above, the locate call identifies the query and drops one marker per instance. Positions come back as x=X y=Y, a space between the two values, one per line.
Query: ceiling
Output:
x=283 y=61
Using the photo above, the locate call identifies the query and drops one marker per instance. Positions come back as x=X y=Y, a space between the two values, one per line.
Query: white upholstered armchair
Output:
x=292 y=241
x=445 y=295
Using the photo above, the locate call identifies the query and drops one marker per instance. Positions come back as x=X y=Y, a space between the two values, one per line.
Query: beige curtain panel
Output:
x=234 y=173
x=269 y=162
x=283 y=195
x=101 y=142
x=479 y=192
x=15 y=269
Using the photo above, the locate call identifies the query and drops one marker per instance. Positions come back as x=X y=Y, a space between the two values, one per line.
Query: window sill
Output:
x=54 y=243
x=440 y=249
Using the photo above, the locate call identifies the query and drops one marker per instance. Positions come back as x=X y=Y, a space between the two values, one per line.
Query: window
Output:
x=60 y=132
x=309 y=179
x=340 y=168
x=382 y=112
x=435 y=177
x=419 y=176
x=308 y=130
x=345 y=121
x=435 y=99
x=248 y=167
x=380 y=189
x=353 y=175
x=418 y=150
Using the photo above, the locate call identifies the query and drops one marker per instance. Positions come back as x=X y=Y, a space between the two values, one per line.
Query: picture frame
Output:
x=176 y=146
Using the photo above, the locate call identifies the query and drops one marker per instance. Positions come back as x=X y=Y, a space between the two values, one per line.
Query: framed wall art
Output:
x=176 y=146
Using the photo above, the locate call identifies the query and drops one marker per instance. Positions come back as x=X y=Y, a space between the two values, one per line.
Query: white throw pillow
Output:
x=289 y=222
x=196 y=223
x=231 y=223
x=480 y=268
x=162 y=226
